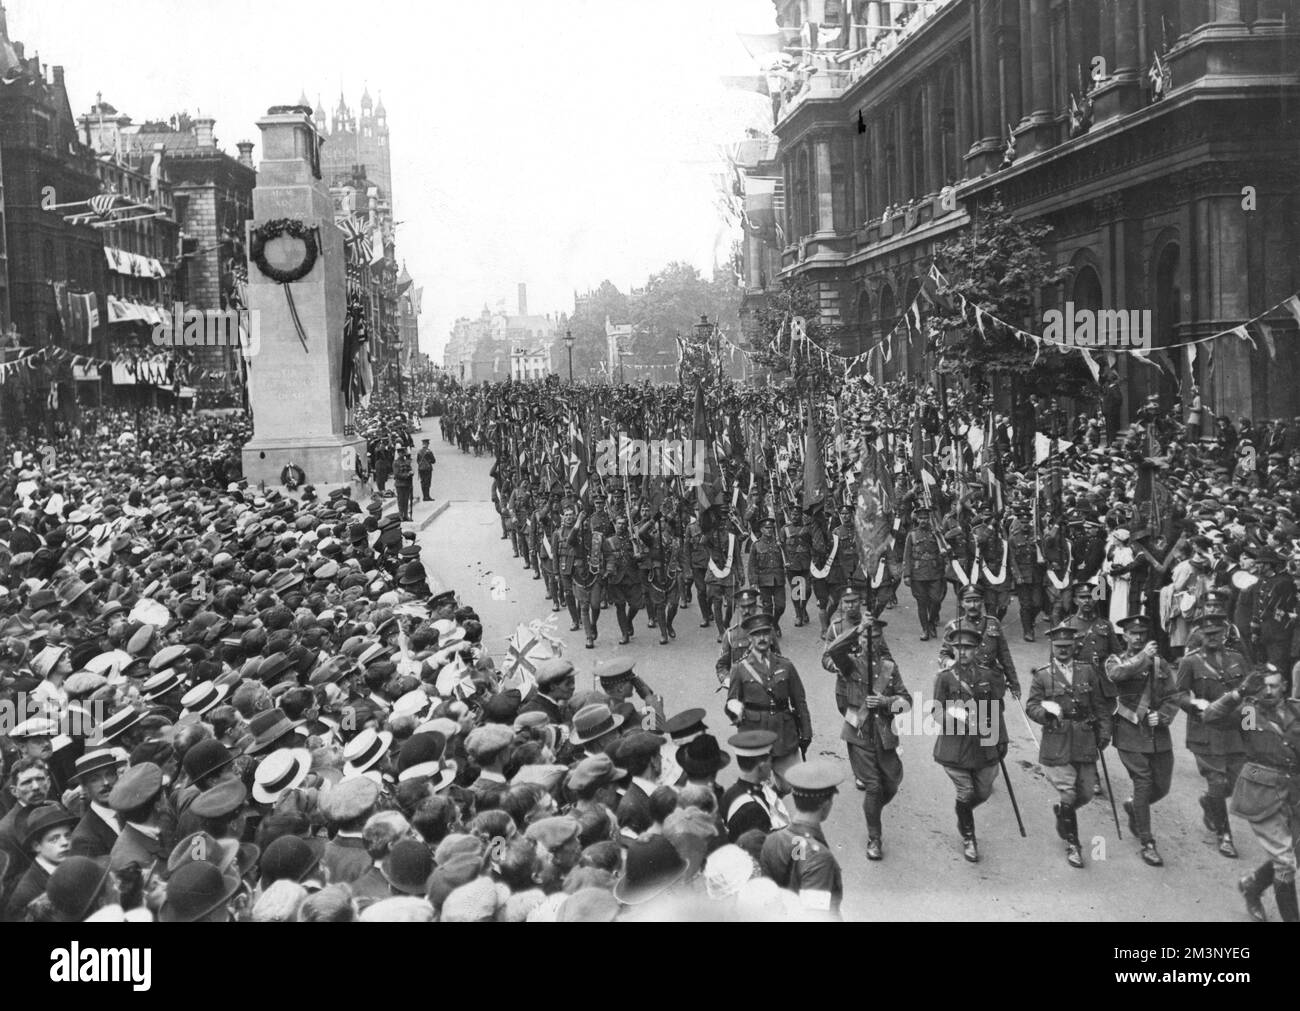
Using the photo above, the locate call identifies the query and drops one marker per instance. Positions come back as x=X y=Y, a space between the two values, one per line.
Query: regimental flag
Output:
x=355 y=381
x=873 y=518
x=814 y=466
x=710 y=490
x=578 y=475
x=1161 y=78
x=356 y=239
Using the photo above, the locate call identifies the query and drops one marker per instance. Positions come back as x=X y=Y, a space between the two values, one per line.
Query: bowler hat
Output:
x=702 y=757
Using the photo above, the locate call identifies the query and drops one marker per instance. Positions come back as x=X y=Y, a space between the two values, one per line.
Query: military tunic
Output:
x=798 y=859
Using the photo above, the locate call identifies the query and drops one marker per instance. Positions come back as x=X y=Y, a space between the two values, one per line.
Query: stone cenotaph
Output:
x=297 y=292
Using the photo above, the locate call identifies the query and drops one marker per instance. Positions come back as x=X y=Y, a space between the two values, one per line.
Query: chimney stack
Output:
x=203 y=126
x=523 y=299
x=245 y=152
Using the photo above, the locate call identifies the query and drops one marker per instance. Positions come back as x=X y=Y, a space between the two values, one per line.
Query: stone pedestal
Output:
x=298 y=411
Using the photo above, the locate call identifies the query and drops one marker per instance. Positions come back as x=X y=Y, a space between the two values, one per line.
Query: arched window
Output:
x=1166 y=310
x=1087 y=289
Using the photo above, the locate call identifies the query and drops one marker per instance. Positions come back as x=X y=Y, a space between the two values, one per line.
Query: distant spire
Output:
x=302 y=98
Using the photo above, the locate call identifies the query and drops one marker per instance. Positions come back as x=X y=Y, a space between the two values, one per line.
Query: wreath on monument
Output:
x=292 y=476
x=279 y=228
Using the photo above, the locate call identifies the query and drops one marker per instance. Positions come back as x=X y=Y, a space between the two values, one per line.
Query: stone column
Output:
x=986 y=153
x=873 y=21
x=298 y=410
x=934 y=180
x=1122 y=91
x=1036 y=131
x=822 y=174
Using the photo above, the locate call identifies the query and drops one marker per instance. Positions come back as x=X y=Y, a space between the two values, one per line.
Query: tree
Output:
x=1001 y=264
x=587 y=324
x=789 y=360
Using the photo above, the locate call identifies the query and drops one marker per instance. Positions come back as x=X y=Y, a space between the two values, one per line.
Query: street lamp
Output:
x=568 y=343
x=704 y=330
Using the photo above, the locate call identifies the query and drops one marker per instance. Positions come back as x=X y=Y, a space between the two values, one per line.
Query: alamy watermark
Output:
x=191 y=327
x=1097 y=328
x=622 y=456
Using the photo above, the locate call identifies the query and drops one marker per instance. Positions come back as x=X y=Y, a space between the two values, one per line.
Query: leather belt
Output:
x=767 y=709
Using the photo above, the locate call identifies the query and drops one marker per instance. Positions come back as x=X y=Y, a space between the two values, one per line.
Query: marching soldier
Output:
x=843 y=563
x=969 y=747
x=1266 y=790
x=570 y=557
x=696 y=552
x=1026 y=572
x=654 y=570
x=720 y=579
x=923 y=571
x=994 y=651
x=1145 y=707
x=1220 y=751
x=518 y=508
x=869 y=692
x=994 y=551
x=850 y=616
x=767 y=570
x=1057 y=569
x=1215 y=602
x=545 y=524
x=1066 y=697
x=751 y=802
x=766 y=693
x=1275 y=611
x=620 y=553
x=796 y=540
x=1095 y=637
x=797 y=857
x=960 y=555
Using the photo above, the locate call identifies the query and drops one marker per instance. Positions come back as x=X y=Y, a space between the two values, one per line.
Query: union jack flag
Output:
x=102 y=204
x=356 y=239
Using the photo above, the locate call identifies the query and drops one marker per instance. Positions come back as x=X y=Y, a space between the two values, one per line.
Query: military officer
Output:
x=796 y=541
x=1095 y=637
x=766 y=693
x=1274 y=619
x=994 y=651
x=1144 y=708
x=618 y=680
x=1215 y=602
x=751 y=802
x=1266 y=790
x=869 y=693
x=968 y=703
x=850 y=614
x=1220 y=751
x=654 y=569
x=1026 y=572
x=767 y=570
x=797 y=857
x=1066 y=697
x=923 y=571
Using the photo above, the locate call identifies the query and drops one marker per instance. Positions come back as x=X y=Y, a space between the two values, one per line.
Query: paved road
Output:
x=923 y=875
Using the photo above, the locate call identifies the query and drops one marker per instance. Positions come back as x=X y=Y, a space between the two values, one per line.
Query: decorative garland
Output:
x=263 y=234
x=292 y=476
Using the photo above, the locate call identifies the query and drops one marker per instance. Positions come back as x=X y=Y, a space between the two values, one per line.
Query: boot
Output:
x=966 y=826
x=1251 y=886
x=1208 y=816
x=1151 y=855
x=1073 y=851
x=1226 y=846
x=1062 y=823
x=1284 y=893
x=874 y=850
x=1132 y=818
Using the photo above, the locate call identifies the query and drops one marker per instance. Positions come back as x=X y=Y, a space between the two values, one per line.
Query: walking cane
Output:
x=1028 y=723
x=1012 y=794
x=1110 y=794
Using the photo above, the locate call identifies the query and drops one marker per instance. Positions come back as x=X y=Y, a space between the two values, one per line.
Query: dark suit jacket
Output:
x=133 y=846
x=634 y=809
x=92 y=837
x=346 y=859
x=540 y=703
x=30 y=886
x=13 y=827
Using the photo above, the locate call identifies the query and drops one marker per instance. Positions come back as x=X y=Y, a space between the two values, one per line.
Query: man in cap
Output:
x=135 y=798
x=1219 y=750
x=29 y=785
x=1274 y=619
x=994 y=650
x=49 y=830
x=96 y=774
x=720 y=571
x=869 y=692
x=1066 y=697
x=1215 y=602
x=767 y=570
x=993 y=551
x=556 y=683
x=797 y=857
x=1094 y=638
x=623 y=585
x=796 y=545
x=1269 y=722
x=969 y=700
x=766 y=693
x=618 y=679
x=923 y=571
x=488 y=748
x=424 y=461
x=752 y=802
x=735 y=641
x=346 y=806
x=849 y=615
x=1144 y=708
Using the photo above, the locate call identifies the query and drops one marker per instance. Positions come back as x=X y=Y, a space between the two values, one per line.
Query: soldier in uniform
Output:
x=766 y=693
x=720 y=578
x=995 y=553
x=923 y=571
x=796 y=540
x=960 y=555
x=751 y=802
x=585 y=542
x=520 y=505
x=1269 y=783
x=797 y=857
x=1275 y=611
x=869 y=692
x=969 y=747
x=1066 y=697
x=1057 y=556
x=621 y=555
x=696 y=551
x=843 y=563
x=545 y=523
x=767 y=570
x=618 y=680
x=994 y=651
x=735 y=643
x=1219 y=750
x=570 y=556
x=1095 y=637
x=654 y=570
x=1215 y=602
x=1026 y=572
x=850 y=615
x=1145 y=707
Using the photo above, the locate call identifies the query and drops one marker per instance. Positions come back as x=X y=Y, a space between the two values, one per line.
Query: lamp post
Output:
x=568 y=343
x=704 y=331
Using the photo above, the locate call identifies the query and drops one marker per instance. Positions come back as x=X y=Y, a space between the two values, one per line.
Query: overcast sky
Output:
x=556 y=142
